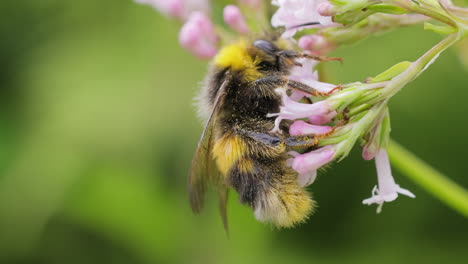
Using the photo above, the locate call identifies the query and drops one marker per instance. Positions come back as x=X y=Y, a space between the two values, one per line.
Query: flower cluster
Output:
x=358 y=111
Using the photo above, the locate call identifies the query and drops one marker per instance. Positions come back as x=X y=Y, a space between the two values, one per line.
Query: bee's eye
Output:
x=266 y=46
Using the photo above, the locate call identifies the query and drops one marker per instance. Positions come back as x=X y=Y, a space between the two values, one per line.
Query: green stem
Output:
x=439 y=185
x=423 y=10
x=417 y=67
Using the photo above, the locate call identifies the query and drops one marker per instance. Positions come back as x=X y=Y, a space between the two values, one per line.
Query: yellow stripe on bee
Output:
x=227 y=151
x=237 y=57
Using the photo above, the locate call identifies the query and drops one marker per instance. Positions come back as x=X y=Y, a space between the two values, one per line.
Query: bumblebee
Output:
x=236 y=149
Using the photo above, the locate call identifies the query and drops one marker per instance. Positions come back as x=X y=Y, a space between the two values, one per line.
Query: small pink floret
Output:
x=326 y=9
x=314 y=43
x=252 y=3
x=320 y=119
x=234 y=18
x=311 y=161
x=300 y=127
x=198 y=36
x=387 y=189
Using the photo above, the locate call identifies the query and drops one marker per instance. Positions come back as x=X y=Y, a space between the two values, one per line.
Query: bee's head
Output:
x=252 y=60
x=273 y=59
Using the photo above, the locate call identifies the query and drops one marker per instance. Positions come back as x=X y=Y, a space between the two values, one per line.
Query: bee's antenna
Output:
x=303 y=25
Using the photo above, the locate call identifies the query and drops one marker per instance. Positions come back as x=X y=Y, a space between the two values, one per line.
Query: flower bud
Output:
x=180 y=9
x=234 y=18
x=316 y=44
x=326 y=9
x=255 y=4
x=198 y=36
x=300 y=127
x=311 y=161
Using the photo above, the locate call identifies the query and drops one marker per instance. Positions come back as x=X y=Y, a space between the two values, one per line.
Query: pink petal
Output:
x=319 y=119
x=302 y=128
x=234 y=18
x=308 y=162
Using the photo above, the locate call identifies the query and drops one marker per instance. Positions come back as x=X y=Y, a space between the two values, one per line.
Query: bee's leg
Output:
x=295 y=55
x=275 y=81
x=309 y=90
x=319 y=58
x=307 y=141
x=271 y=82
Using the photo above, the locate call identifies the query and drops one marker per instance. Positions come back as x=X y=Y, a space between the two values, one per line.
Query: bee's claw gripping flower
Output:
x=234 y=18
x=387 y=190
x=292 y=110
x=178 y=8
x=198 y=36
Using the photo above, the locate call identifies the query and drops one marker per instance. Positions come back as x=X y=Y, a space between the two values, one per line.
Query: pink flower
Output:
x=300 y=127
x=308 y=76
x=198 y=36
x=322 y=119
x=316 y=44
x=234 y=18
x=180 y=9
x=388 y=190
x=255 y=4
x=326 y=9
x=292 y=13
x=307 y=164
x=293 y=110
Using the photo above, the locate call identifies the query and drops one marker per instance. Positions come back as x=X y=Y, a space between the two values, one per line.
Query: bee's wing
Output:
x=204 y=171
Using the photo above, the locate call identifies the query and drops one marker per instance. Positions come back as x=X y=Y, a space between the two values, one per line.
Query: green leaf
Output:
x=388 y=9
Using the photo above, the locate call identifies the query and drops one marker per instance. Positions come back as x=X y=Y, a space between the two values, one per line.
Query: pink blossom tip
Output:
x=300 y=127
x=309 y=162
x=313 y=42
x=234 y=18
x=180 y=9
x=369 y=151
x=319 y=119
x=198 y=36
x=292 y=13
x=326 y=9
x=255 y=4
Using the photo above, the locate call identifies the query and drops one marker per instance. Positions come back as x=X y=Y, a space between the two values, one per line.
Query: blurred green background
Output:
x=97 y=130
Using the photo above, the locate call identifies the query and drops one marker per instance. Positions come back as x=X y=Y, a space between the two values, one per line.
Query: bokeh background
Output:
x=97 y=130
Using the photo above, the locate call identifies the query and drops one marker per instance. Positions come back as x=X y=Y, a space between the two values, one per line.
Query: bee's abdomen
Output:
x=271 y=189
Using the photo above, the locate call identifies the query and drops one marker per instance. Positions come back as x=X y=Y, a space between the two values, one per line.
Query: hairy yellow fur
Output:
x=237 y=57
x=285 y=203
x=227 y=151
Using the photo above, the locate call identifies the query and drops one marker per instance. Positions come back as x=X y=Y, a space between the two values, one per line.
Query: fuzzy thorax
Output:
x=237 y=57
